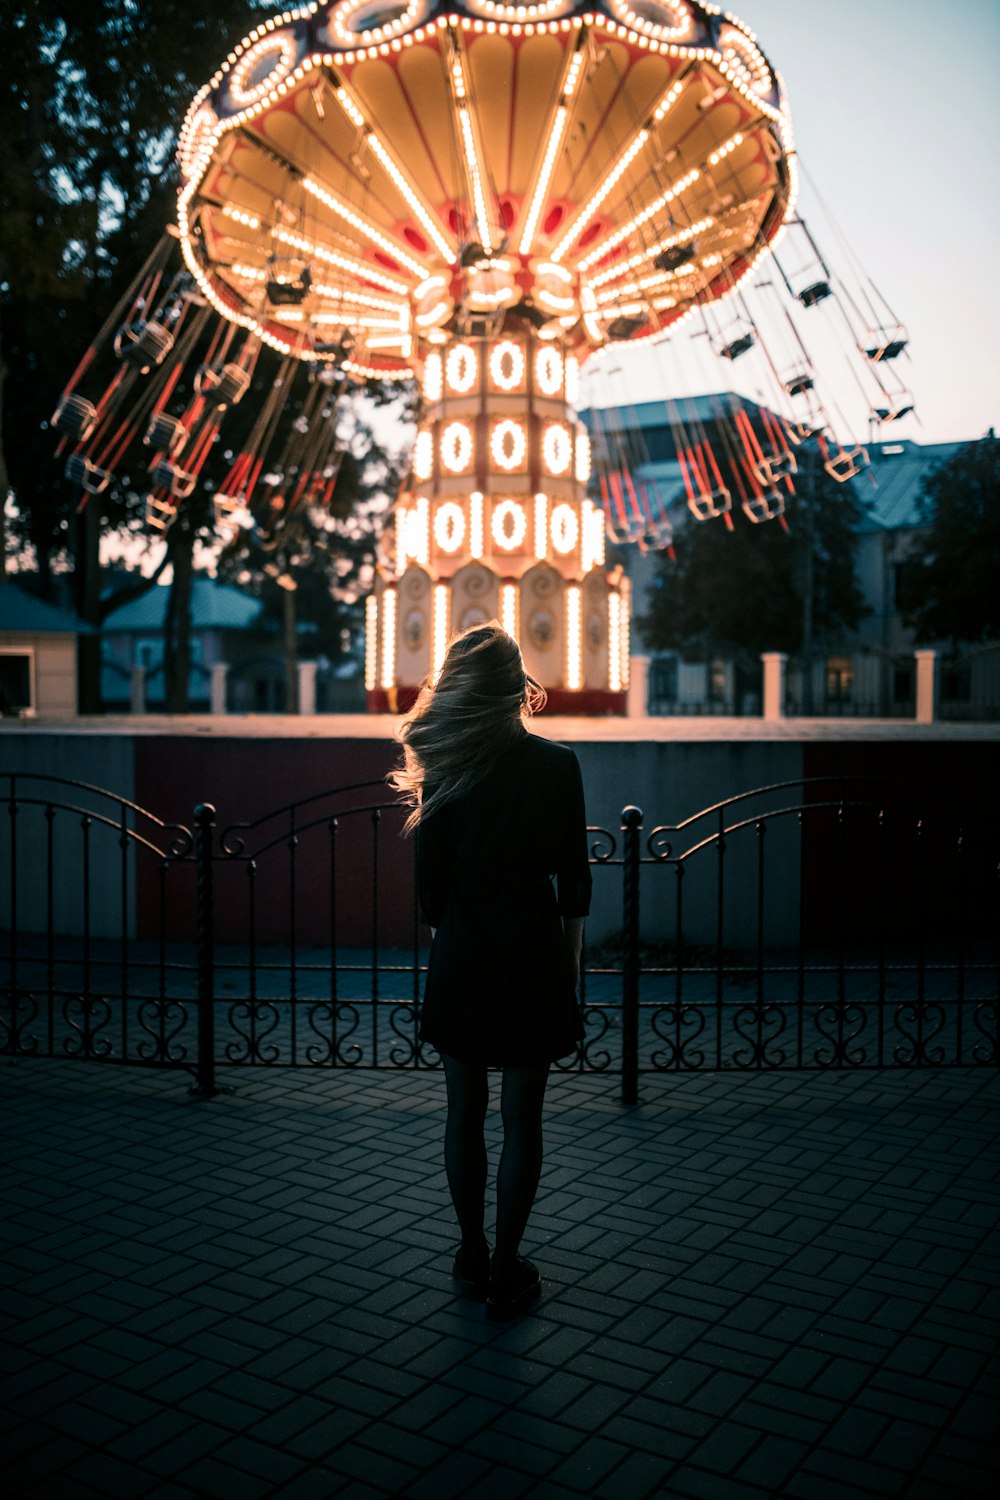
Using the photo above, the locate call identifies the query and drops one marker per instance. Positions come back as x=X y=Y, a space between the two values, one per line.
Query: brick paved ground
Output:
x=754 y=1286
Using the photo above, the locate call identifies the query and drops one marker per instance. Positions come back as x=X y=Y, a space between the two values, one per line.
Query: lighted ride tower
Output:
x=481 y=196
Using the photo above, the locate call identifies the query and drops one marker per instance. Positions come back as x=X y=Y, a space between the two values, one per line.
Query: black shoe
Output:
x=513 y=1292
x=473 y=1271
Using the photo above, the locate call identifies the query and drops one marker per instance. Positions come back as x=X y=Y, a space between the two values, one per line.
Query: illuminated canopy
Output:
x=361 y=176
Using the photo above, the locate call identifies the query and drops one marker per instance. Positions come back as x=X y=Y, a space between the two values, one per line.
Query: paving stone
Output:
x=750 y=1293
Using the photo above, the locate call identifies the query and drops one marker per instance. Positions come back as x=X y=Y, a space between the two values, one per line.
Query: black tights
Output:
x=521 y=1098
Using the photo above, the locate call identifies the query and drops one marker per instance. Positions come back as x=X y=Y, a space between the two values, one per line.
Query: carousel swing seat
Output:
x=893 y=406
x=143 y=345
x=771 y=471
x=738 y=340
x=223 y=385
x=767 y=506
x=75 y=417
x=179 y=482
x=846 y=463
x=881 y=344
x=814 y=293
x=799 y=382
x=705 y=505
x=165 y=434
x=87 y=475
x=160 y=514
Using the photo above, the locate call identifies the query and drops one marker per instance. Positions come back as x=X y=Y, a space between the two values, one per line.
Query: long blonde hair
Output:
x=461 y=724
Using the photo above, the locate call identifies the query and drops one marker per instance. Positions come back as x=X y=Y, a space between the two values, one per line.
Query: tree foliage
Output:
x=740 y=592
x=950 y=590
x=88 y=123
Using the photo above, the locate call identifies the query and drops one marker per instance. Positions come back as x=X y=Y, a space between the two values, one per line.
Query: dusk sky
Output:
x=897 y=120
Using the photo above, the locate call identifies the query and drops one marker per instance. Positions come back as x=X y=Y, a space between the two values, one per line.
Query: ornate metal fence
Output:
x=809 y=925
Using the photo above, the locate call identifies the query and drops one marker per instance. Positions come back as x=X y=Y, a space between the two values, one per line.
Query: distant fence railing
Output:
x=816 y=924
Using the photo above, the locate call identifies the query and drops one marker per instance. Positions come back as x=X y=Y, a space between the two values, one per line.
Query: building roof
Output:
x=214 y=606
x=899 y=470
x=647 y=432
x=20 y=610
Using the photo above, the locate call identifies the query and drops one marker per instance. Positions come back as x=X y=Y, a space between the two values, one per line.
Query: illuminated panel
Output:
x=565 y=529
x=422 y=531
x=557 y=448
x=461 y=368
x=388 y=638
x=572 y=379
x=404 y=537
x=548 y=370
x=541 y=525
x=371 y=642
x=456 y=447
x=433 y=378
x=509 y=525
x=592 y=536
x=624 y=614
x=475 y=524
x=508 y=444
x=615 y=643
x=439 y=628
x=582 y=455
x=574 y=638
x=508 y=608
x=507 y=365
x=423 y=454
x=449 y=526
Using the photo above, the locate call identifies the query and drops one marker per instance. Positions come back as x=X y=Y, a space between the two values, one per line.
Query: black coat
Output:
x=497 y=870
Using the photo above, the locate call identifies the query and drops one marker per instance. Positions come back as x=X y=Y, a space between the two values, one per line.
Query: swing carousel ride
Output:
x=480 y=197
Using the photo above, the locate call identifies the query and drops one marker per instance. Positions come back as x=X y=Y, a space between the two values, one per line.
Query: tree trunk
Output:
x=87 y=588
x=177 y=625
x=4 y=480
x=291 y=653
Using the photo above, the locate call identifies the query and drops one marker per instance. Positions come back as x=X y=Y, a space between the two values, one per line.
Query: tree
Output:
x=949 y=583
x=761 y=587
x=93 y=100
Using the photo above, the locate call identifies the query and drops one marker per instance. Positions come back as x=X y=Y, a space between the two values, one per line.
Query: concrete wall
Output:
x=672 y=781
x=99 y=760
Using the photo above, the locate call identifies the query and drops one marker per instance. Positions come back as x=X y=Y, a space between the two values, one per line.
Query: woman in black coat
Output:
x=504 y=883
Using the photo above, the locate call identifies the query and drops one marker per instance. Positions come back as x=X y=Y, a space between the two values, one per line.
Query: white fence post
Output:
x=926 y=686
x=637 y=701
x=307 y=687
x=774 y=683
x=220 y=671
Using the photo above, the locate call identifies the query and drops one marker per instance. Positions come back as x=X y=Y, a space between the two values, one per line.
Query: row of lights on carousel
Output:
x=741 y=61
x=557 y=530
x=380 y=643
x=458 y=371
x=562 y=450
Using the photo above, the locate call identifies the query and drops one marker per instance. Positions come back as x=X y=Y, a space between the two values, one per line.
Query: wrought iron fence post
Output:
x=204 y=830
x=631 y=831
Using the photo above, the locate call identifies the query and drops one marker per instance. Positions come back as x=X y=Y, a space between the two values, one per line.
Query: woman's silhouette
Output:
x=504 y=884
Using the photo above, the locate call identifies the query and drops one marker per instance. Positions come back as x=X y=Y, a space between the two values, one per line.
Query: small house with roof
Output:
x=226 y=631
x=38 y=656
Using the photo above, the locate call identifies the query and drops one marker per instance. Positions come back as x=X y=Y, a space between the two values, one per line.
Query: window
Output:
x=839 y=679
x=16 y=674
x=718 y=680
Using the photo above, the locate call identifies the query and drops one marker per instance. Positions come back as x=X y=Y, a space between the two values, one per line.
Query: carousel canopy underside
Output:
x=389 y=182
